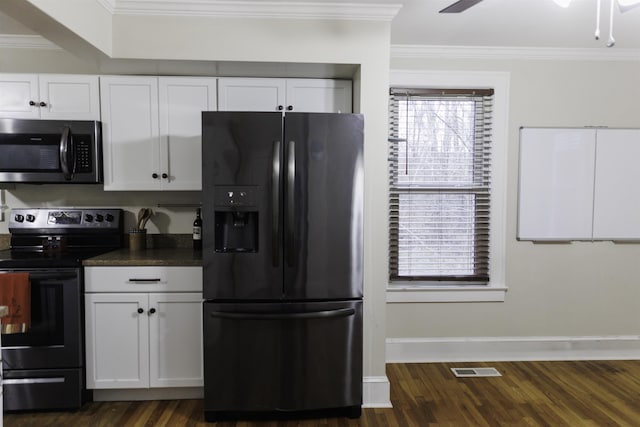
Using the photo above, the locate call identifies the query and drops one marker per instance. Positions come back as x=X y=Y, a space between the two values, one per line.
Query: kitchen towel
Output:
x=15 y=293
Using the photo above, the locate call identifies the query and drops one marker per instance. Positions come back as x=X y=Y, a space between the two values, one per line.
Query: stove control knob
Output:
x=109 y=218
x=99 y=218
x=19 y=218
x=31 y=218
x=88 y=218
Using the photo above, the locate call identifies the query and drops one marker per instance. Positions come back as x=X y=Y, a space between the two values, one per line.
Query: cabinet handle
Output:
x=145 y=280
x=280 y=108
x=289 y=107
x=140 y=311
x=154 y=175
x=151 y=311
x=43 y=104
x=32 y=103
x=165 y=176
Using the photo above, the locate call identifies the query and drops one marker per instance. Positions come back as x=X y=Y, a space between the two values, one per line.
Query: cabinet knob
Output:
x=140 y=311
x=165 y=176
x=154 y=175
x=43 y=104
x=152 y=310
x=280 y=108
x=289 y=107
x=32 y=103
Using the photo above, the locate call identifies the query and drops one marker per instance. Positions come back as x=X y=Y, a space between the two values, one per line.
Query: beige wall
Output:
x=577 y=289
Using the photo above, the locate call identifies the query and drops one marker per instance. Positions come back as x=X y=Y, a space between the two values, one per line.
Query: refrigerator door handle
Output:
x=291 y=201
x=275 y=214
x=324 y=314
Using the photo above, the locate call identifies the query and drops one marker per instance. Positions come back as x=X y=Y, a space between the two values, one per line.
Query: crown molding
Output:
x=255 y=9
x=529 y=53
x=25 y=41
x=110 y=5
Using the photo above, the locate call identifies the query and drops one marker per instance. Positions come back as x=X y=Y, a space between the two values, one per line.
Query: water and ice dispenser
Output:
x=236 y=219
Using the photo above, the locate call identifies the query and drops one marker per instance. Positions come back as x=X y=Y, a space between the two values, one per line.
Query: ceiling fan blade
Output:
x=460 y=6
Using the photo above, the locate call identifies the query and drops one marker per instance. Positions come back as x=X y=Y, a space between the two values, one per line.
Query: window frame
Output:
x=495 y=289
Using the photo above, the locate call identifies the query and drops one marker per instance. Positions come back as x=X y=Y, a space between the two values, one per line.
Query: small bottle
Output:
x=197 y=231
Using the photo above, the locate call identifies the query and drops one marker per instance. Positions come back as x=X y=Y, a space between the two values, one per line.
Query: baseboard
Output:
x=376 y=392
x=114 y=395
x=479 y=349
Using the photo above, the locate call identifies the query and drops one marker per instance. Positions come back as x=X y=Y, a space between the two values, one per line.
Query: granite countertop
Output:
x=147 y=257
x=4 y=310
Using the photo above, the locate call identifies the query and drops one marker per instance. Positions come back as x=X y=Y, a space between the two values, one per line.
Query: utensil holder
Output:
x=137 y=240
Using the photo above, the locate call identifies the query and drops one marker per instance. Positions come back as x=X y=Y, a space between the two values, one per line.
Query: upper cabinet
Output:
x=49 y=96
x=152 y=131
x=299 y=95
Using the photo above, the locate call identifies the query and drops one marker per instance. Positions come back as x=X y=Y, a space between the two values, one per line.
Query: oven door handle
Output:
x=52 y=275
x=11 y=381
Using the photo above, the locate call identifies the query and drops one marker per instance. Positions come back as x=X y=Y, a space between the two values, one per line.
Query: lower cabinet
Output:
x=142 y=339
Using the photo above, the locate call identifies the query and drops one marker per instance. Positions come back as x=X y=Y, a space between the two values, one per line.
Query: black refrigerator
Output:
x=283 y=263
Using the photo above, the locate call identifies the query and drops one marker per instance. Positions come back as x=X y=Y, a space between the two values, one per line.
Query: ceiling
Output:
x=491 y=23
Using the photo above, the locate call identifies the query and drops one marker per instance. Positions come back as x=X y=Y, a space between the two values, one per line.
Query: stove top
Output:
x=16 y=259
x=61 y=237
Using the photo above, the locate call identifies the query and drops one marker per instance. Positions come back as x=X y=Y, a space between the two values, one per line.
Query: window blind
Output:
x=440 y=184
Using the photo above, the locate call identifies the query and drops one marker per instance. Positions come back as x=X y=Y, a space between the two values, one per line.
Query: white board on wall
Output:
x=616 y=212
x=555 y=195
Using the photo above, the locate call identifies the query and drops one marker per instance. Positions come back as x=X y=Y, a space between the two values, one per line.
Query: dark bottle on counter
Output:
x=197 y=231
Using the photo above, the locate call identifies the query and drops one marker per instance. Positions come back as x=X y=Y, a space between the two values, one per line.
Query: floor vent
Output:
x=475 y=372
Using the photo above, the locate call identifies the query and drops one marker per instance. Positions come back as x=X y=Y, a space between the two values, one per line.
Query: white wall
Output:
x=555 y=290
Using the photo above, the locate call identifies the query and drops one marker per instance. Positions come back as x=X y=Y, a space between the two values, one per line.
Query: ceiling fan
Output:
x=460 y=6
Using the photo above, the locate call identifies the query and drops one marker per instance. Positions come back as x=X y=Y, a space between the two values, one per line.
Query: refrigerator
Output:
x=282 y=263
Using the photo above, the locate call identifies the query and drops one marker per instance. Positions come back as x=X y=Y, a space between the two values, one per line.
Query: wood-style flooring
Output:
x=592 y=393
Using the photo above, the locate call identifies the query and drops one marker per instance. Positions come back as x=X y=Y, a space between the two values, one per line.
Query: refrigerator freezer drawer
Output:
x=265 y=357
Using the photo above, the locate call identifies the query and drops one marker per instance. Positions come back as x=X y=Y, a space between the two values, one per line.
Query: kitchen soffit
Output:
x=255 y=9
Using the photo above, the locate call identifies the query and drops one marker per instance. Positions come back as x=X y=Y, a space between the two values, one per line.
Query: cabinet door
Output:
x=246 y=94
x=130 y=133
x=182 y=101
x=175 y=336
x=319 y=96
x=117 y=340
x=72 y=97
x=17 y=91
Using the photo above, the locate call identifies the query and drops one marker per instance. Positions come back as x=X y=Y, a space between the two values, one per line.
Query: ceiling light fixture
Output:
x=623 y=5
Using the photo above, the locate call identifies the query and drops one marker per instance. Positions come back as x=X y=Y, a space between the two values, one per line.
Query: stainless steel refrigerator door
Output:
x=282 y=356
x=324 y=204
x=242 y=197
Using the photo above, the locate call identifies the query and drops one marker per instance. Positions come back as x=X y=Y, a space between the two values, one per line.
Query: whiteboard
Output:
x=556 y=182
x=616 y=212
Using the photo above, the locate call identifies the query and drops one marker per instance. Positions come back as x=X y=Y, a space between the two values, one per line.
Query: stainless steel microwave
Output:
x=50 y=151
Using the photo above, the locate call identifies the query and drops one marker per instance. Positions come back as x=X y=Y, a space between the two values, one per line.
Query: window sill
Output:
x=452 y=293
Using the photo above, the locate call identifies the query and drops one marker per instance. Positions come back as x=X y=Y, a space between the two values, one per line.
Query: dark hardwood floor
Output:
x=594 y=393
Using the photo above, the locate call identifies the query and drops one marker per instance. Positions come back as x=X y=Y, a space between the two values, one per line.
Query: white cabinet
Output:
x=300 y=95
x=143 y=327
x=152 y=131
x=49 y=96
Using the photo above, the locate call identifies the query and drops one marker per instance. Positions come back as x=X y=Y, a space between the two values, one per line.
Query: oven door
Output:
x=54 y=339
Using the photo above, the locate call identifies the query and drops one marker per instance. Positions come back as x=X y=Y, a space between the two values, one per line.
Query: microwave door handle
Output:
x=66 y=153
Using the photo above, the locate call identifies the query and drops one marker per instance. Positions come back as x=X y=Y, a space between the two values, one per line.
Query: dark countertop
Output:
x=148 y=257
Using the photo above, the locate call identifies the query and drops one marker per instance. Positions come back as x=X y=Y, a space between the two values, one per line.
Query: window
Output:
x=440 y=185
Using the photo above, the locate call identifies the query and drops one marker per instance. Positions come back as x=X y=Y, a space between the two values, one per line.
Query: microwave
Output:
x=50 y=151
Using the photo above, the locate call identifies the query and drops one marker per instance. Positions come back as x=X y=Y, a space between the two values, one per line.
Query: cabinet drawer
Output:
x=143 y=279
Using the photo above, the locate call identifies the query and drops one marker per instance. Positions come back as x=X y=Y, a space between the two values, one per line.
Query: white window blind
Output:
x=440 y=170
